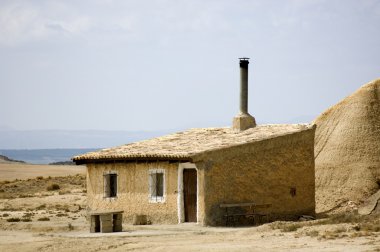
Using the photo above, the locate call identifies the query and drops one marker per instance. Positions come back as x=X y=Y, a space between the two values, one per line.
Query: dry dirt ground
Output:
x=11 y=171
x=49 y=214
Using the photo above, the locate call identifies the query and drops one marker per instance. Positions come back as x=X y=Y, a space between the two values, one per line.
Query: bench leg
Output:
x=230 y=221
x=251 y=220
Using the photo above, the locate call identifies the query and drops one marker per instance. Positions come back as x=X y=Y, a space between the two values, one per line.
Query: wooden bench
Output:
x=250 y=213
x=106 y=221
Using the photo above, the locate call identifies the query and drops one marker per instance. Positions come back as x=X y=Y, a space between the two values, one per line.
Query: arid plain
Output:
x=46 y=211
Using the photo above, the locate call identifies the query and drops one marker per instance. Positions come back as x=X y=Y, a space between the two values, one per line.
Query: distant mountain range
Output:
x=42 y=156
x=71 y=139
x=5 y=159
x=52 y=146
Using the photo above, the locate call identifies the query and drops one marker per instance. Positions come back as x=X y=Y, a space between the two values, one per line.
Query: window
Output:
x=157 y=185
x=110 y=185
x=293 y=191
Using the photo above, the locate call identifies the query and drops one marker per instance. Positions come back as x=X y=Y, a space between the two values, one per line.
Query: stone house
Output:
x=184 y=177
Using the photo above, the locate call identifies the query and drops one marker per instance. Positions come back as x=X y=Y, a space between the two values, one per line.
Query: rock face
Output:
x=347 y=149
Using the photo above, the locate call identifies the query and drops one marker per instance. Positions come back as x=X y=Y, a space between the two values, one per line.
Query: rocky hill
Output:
x=347 y=150
x=5 y=159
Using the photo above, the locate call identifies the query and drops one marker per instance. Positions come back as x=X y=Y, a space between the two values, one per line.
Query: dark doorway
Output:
x=97 y=223
x=190 y=194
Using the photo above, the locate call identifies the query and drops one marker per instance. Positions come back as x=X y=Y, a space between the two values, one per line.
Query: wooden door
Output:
x=190 y=194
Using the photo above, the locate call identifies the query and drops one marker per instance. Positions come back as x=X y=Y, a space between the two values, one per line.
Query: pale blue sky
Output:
x=157 y=65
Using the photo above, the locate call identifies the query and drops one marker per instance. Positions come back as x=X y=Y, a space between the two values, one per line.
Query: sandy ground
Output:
x=33 y=218
x=9 y=171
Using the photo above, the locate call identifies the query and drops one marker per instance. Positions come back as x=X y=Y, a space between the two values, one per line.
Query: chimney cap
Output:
x=243 y=59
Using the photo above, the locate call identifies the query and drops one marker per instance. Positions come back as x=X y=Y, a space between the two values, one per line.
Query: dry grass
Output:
x=40 y=207
x=330 y=235
x=30 y=187
x=53 y=187
x=286 y=226
x=358 y=225
x=312 y=233
x=61 y=214
x=27 y=171
x=28 y=215
x=370 y=227
x=70 y=227
x=62 y=192
x=349 y=218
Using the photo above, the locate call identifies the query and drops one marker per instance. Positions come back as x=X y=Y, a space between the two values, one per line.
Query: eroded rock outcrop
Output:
x=347 y=149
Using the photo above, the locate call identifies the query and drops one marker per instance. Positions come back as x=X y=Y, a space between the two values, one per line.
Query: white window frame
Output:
x=157 y=199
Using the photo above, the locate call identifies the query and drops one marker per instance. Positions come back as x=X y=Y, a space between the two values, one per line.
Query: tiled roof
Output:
x=189 y=143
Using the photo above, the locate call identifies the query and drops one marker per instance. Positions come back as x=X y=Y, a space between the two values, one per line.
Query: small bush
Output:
x=340 y=230
x=312 y=233
x=53 y=187
x=40 y=178
x=61 y=214
x=7 y=196
x=44 y=219
x=5 y=215
x=286 y=226
x=13 y=219
x=40 y=207
x=25 y=196
x=27 y=215
x=71 y=227
x=26 y=220
x=370 y=227
x=9 y=208
x=343 y=218
x=290 y=228
x=334 y=234
x=64 y=192
x=2 y=190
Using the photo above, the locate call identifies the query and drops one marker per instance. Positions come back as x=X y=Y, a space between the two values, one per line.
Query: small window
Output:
x=110 y=185
x=293 y=191
x=157 y=185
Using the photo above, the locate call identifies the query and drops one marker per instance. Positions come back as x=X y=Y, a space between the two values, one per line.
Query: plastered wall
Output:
x=133 y=190
x=262 y=172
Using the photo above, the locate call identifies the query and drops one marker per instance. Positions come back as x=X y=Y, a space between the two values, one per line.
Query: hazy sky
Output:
x=152 y=65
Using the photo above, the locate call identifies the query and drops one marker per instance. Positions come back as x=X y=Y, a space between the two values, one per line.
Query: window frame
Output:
x=155 y=198
x=110 y=174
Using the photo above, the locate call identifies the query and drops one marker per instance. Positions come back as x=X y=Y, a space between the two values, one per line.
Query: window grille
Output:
x=157 y=185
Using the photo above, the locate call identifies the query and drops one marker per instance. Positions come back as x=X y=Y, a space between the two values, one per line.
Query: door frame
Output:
x=180 y=198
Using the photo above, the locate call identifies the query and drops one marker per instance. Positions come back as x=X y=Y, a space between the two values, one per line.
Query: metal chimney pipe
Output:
x=243 y=120
x=244 y=85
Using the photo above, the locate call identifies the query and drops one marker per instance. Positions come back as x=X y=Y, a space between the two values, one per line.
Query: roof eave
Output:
x=130 y=159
